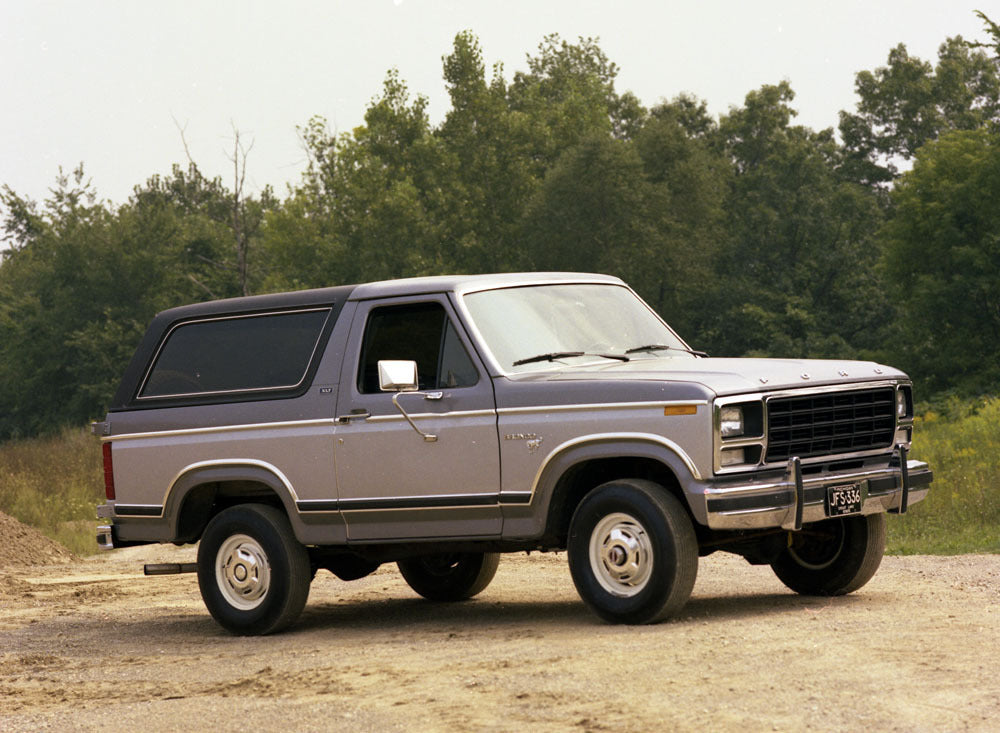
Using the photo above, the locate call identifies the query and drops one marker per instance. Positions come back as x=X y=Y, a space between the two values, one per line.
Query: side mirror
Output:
x=398 y=376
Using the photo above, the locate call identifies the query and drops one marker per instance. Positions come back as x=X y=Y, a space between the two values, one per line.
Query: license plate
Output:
x=842 y=500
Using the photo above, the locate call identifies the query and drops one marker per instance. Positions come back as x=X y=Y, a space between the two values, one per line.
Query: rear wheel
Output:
x=633 y=553
x=253 y=574
x=450 y=576
x=834 y=557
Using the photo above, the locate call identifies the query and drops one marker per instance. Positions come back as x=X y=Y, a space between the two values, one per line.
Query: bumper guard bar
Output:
x=798 y=498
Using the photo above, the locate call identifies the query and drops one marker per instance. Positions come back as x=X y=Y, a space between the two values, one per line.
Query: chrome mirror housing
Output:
x=397 y=376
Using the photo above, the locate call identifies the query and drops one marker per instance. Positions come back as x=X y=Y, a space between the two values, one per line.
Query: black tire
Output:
x=633 y=553
x=834 y=557
x=450 y=576
x=253 y=574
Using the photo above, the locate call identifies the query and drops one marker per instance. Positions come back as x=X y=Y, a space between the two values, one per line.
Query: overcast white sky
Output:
x=101 y=82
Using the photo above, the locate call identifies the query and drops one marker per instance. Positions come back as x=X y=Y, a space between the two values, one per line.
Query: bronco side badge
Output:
x=534 y=441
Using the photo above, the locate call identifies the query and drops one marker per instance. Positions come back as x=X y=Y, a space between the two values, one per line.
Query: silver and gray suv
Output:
x=438 y=422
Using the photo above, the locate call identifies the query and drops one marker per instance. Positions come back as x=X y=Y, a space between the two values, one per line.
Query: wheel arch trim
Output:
x=223 y=470
x=604 y=446
x=585 y=442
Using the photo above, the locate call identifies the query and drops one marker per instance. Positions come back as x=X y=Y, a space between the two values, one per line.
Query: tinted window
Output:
x=225 y=355
x=421 y=333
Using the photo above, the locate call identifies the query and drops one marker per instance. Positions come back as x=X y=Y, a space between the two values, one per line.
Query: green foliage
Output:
x=750 y=234
x=495 y=166
x=994 y=30
x=54 y=484
x=962 y=511
x=83 y=279
x=908 y=103
x=942 y=260
x=798 y=263
x=49 y=293
x=592 y=209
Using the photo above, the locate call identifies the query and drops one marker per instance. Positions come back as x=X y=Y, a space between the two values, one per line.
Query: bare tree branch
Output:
x=213 y=263
x=187 y=151
x=203 y=286
x=240 y=224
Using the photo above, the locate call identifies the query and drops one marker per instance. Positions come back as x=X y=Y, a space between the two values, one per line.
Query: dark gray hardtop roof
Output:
x=255 y=304
x=332 y=297
x=366 y=291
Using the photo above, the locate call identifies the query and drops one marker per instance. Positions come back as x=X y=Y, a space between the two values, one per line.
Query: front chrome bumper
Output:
x=796 y=499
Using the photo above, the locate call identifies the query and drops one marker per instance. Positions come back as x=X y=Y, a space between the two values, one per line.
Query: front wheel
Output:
x=450 y=576
x=253 y=574
x=834 y=557
x=633 y=553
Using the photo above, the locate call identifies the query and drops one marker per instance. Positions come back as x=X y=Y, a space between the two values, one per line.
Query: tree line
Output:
x=750 y=234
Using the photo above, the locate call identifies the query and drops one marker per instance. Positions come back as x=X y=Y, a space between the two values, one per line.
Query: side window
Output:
x=237 y=354
x=422 y=333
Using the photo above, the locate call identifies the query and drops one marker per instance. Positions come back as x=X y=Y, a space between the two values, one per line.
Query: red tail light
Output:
x=109 y=474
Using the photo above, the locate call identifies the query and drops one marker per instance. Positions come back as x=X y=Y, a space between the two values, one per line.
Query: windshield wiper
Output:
x=658 y=347
x=566 y=354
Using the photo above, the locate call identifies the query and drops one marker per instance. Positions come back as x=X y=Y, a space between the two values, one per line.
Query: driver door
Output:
x=392 y=483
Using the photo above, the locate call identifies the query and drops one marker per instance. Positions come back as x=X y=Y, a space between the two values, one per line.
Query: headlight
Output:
x=904 y=402
x=731 y=422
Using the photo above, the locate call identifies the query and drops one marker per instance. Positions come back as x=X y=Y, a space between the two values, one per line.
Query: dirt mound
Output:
x=21 y=545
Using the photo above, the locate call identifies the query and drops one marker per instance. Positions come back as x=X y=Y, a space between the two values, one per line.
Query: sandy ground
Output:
x=92 y=644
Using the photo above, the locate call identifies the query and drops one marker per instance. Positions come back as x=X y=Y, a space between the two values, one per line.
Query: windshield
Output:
x=571 y=322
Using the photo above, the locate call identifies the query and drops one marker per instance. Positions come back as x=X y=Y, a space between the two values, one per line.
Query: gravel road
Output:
x=92 y=644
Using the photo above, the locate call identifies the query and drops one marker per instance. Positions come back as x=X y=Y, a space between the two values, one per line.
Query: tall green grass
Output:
x=55 y=484
x=961 y=442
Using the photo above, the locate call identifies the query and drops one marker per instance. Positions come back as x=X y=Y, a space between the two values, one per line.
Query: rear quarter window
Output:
x=270 y=351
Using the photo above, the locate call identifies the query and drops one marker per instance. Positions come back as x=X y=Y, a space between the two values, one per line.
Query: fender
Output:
x=529 y=519
x=225 y=470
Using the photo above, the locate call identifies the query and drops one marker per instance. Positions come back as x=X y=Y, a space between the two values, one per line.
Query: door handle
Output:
x=358 y=413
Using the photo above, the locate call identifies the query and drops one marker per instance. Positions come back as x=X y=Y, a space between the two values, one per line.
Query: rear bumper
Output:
x=791 y=501
x=109 y=535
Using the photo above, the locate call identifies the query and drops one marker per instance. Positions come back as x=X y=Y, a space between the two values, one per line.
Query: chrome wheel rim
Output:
x=621 y=555
x=242 y=572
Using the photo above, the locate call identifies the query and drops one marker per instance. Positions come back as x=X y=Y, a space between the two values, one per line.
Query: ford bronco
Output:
x=438 y=422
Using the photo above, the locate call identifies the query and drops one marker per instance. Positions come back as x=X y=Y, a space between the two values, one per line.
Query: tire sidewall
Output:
x=862 y=545
x=263 y=524
x=635 y=500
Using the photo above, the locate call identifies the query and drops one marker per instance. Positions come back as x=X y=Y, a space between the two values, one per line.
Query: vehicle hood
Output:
x=724 y=376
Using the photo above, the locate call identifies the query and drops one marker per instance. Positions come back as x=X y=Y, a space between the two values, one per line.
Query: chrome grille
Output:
x=830 y=423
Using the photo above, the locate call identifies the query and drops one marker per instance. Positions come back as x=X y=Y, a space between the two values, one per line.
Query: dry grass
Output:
x=55 y=484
